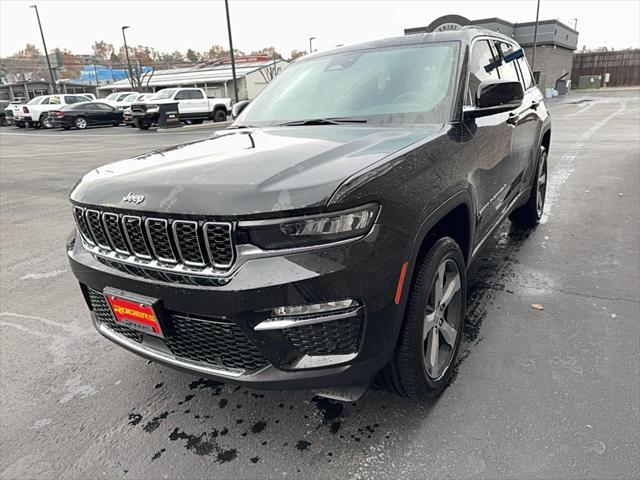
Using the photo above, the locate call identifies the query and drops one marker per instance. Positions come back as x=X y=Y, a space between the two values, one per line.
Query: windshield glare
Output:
x=162 y=94
x=130 y=97
x=112 y=96
x=408 y=84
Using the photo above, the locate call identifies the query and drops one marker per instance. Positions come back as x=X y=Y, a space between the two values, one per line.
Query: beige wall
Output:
x=551 y=62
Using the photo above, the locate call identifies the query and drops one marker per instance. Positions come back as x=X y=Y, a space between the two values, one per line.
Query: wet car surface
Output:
x=537 y=393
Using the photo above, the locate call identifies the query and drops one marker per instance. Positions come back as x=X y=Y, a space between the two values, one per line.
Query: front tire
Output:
x=530 y=213
x=425 y=356
x=142 y=125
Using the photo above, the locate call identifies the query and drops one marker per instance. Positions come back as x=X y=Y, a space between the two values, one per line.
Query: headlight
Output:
x=311 y=230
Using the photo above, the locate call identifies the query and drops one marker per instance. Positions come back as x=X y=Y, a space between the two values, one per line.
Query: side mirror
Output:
x=496 y=96
x=238 y=108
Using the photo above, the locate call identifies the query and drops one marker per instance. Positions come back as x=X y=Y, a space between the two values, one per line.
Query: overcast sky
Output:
x=287 y=24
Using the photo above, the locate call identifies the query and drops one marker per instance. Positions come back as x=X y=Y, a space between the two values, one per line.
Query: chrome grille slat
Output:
x=187 y=239
x=112 y=227
x=163 y=244
x=83 y=226
x=97 y=230
x=218 y=237
x=134 y=232
x=158 y=234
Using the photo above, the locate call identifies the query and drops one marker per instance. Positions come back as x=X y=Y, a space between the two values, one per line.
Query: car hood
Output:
x=241 y=172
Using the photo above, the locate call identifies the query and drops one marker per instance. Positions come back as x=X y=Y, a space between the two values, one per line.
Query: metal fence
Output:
x=623 y=67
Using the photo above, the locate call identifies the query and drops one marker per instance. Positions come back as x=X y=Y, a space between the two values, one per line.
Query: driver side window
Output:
x=481 y=59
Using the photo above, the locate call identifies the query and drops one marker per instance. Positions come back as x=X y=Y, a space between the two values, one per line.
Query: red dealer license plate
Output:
x=134 y=312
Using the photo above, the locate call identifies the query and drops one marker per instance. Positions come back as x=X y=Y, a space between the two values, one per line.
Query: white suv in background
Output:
x=115 y=98
x=36 y=111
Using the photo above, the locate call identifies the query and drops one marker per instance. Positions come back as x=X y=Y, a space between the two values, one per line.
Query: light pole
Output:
x=535 y=40
x=126 y=50
x=575 y=23
x=46 y=52
x=311 y=39
x=233 y=58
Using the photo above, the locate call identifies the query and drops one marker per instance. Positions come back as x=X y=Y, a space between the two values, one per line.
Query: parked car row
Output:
x=141 y=110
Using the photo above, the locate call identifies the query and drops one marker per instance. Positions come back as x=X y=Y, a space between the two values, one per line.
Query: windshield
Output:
x=35 y=101
x=162 y=94
x=113 y=96
x=131 y=97
x=408 y=84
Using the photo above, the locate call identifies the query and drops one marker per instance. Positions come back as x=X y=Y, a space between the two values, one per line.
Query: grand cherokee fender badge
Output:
x=131 y=197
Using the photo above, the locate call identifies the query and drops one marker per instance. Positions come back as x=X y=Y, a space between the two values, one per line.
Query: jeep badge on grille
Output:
x=131 y=197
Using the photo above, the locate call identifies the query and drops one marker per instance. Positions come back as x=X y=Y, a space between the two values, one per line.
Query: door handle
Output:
x=512 y=120
x=535 y=105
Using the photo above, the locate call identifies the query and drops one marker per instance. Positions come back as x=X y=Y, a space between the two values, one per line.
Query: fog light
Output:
x=299 y=310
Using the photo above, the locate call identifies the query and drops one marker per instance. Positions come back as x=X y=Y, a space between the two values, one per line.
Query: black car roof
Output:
x=464 y=35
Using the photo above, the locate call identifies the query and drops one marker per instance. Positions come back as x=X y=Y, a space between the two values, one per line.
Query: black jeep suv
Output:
x=323 y=238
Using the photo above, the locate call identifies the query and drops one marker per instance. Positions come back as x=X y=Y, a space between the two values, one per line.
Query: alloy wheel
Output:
x=442 y=321
x=541 y=184
x=81 y=123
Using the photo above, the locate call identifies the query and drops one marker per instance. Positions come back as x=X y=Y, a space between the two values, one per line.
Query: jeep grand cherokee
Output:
x=324 y=238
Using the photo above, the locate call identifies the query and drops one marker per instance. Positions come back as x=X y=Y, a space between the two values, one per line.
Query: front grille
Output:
x=208 y=341
x=138 y=107
x=170 y=242
x=335 y=337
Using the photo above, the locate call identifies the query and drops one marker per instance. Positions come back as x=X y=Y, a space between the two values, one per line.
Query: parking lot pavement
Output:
x=550 y=393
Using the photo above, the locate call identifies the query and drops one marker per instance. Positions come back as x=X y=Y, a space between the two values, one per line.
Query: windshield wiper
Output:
x=323 y=121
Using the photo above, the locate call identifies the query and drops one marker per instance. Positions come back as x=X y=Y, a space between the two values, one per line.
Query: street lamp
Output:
x=46 y=52
x=233 y=58
x=126 y=50
x=575 y=23
x=535 y=40
x=311 y=39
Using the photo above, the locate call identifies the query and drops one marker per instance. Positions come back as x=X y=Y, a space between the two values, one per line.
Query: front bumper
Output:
x=366 y=270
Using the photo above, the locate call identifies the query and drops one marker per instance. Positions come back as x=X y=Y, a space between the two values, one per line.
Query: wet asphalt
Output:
x=552 y=393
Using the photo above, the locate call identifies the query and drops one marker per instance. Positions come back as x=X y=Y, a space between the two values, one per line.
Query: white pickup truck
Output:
x=193 y=106
x=36 y=111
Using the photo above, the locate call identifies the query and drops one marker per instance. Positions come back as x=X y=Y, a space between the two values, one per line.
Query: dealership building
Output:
x=253 y=73
x=555 y=42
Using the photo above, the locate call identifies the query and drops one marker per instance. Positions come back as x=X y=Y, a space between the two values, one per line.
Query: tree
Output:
x=215 y=52
x=269 y=51
x=297 y=53
x=30 y=51
x=102 y=51
x=192 y=56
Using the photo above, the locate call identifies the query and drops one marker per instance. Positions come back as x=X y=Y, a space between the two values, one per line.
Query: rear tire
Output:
x=422 y=365
x=45 y=121
x=80 y=123
x=219 y=116
x=530 y=213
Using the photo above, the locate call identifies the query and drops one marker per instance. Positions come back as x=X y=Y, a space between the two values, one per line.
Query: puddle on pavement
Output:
x=230 y=423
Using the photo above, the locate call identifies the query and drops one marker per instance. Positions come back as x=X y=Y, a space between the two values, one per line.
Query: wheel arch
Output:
x=453 y=218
